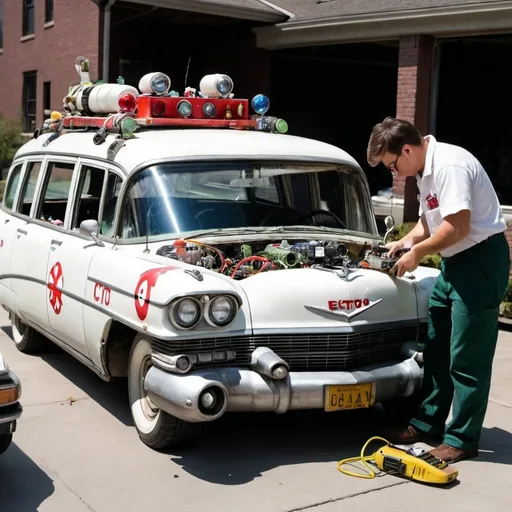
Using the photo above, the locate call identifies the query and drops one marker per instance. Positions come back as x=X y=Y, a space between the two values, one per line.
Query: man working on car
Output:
x=460 y=218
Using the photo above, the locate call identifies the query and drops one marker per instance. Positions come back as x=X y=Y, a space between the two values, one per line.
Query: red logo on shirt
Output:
x=432 y=201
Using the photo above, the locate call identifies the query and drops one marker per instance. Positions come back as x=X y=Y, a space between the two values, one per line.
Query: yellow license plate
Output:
x=350 y=396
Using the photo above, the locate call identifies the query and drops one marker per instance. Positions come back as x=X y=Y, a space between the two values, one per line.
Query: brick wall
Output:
x=51 y=51
x=413 y=105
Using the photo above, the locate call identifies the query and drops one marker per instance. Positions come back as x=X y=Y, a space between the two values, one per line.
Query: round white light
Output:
x=213 y=86
x=186 y=313
x=155 y=83
x=222 y=310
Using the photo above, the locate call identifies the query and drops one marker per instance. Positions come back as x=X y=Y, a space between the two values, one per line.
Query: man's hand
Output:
x=396 y=246
x=407 y=263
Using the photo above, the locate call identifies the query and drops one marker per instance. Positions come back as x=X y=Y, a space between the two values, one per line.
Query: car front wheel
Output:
x=156 y=428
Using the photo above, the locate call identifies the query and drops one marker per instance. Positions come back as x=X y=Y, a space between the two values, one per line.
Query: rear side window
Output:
x=55 y=193
x=29 y=187
x=12 y=187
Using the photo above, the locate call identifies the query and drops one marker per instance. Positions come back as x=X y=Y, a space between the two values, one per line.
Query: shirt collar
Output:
x=430 y=155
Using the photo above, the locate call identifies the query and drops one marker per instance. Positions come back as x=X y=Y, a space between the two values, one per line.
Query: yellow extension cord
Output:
x=362 y=458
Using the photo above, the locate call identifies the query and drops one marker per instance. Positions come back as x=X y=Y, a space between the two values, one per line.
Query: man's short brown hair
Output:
x=390 y=136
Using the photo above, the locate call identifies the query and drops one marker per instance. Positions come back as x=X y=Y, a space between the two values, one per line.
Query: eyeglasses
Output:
x=392 y=168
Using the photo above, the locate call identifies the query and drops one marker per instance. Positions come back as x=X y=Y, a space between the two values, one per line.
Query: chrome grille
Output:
x=303 y=352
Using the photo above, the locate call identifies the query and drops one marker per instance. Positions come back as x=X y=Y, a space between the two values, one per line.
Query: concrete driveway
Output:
x=76 y=450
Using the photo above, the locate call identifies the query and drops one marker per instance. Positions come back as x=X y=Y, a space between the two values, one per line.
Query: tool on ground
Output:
x=413 y=464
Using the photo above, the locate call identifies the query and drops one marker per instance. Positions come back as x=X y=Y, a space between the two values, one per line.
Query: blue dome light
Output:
x=260 y=104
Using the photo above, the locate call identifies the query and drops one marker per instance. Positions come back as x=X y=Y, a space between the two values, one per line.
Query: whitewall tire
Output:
x=156 y=428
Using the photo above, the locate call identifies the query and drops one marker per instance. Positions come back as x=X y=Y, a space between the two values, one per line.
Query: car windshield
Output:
x=177 y=199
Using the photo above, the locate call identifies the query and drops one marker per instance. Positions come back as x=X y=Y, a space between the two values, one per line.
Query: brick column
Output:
x=415 y=66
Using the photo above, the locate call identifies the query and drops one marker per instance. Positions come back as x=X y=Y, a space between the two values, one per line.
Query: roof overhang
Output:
x=441 y=21
x=262 y=11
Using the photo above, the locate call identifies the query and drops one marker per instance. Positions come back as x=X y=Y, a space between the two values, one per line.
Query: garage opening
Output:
x=336 y=94
x=475 y=105
x=186 y=46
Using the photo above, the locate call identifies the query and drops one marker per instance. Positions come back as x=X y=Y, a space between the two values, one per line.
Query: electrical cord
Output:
x=364 y=459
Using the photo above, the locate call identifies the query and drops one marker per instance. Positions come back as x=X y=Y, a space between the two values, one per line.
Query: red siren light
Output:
x=127 y=102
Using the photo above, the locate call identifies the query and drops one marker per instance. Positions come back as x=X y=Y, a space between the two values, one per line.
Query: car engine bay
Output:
x=242 y=260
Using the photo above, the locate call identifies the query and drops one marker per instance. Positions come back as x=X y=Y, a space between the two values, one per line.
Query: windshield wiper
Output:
x=326 y=229
x=231 y=231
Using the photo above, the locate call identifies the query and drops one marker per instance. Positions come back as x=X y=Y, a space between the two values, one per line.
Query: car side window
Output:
x=29 y=187
x=12 y=187
x=90 y=187
x=114 y=183
x=55 y=194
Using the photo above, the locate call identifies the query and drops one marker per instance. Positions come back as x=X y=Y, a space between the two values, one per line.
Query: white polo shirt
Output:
x=454 y=180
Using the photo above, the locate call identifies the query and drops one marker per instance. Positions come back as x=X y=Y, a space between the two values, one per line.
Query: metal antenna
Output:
x=186 y=73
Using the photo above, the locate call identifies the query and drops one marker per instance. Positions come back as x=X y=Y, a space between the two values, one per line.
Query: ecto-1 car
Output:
x=197 y=249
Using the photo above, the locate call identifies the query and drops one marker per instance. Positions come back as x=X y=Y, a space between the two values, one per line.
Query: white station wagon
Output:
x=215 y=261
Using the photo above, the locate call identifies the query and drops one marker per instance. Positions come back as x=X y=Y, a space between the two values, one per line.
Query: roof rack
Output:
x=122 y=109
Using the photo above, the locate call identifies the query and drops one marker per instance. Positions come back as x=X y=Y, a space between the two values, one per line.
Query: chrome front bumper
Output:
x=10 y=412
x=206 y=394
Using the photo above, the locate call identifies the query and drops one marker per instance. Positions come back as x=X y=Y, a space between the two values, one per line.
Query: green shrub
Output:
x=400 y=231
x=508 y=293
x=432 y=260
x=10 y=140
x=506 y=309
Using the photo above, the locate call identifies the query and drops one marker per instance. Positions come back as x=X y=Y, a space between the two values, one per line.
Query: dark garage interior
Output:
x=475 y=104
x=336 y=94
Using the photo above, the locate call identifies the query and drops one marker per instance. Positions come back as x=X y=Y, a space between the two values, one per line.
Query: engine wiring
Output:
x=242 y=260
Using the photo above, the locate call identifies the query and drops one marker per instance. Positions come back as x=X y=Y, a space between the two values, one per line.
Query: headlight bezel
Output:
x=208 y=315
x=173 y=317
x=204 y=302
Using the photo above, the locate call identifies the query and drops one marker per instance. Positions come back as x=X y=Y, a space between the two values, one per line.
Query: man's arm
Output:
x=453 y=229
x=417 y=234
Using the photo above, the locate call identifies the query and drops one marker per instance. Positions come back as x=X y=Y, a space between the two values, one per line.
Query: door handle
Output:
x=55 y=244
x=20 y=232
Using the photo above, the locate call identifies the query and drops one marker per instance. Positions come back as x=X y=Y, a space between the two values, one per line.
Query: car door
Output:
x=71 y=254
x=9 y=223
x=44 y=201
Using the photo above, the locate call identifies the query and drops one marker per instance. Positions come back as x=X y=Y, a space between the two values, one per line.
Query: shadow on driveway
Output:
x=23 y=485
x=239 y=448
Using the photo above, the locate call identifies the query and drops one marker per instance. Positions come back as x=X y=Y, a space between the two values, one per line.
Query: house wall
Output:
x=51 y=51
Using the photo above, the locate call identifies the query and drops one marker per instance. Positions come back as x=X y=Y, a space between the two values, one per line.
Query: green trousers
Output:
x=461 y=342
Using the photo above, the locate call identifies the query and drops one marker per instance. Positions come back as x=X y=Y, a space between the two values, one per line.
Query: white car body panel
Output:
x=74 y=290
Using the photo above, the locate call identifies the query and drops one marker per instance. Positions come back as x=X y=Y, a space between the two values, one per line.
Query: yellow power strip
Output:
x=393 y=460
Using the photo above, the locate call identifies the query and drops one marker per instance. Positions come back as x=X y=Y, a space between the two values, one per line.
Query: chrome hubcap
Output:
x=149 y=409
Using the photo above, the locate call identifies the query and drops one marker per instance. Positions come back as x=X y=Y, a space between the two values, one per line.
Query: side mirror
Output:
x=90 y=228
x=389 y=221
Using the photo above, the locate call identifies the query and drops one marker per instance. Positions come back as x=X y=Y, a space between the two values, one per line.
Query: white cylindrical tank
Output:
x=103 y=98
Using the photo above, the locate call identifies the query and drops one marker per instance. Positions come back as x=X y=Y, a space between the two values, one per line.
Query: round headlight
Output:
x=222 y=310
x=186 y=313
x=215 y=85
x=155 y=83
